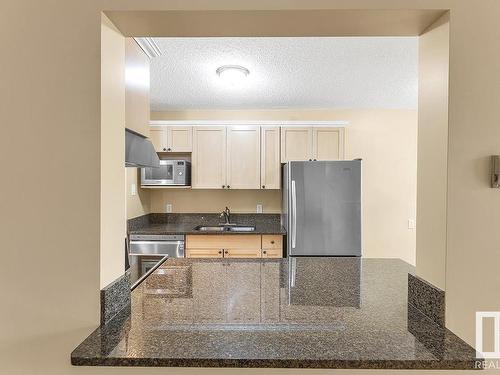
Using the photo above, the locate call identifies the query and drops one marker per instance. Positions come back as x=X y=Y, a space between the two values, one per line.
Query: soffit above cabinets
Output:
x=315 y=123
x=287 y=73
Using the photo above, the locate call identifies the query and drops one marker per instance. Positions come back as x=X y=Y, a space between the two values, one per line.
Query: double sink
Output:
x=225 y=228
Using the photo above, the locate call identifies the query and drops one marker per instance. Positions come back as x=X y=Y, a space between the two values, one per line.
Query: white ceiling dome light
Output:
x=233 y=75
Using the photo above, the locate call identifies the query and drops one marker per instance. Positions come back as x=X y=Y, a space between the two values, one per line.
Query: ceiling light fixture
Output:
x=232 y=74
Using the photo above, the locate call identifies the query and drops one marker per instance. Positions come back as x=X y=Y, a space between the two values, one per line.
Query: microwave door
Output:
x=164 y=175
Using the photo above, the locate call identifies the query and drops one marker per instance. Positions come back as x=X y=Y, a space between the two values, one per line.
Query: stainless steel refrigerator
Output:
x=322 y=208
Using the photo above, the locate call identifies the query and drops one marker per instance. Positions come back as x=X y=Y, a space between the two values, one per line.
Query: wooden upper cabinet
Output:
x=317 y=143
x=328 y=143
x=208 y=169
x=180 y=138
x=243 y=157
x=137 y=109
x=270 y=161
x=296 y=143
x=172 y=138
x=158 y=137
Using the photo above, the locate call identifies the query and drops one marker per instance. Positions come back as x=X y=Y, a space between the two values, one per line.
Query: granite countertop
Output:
x=297 y=313
x=185 y=223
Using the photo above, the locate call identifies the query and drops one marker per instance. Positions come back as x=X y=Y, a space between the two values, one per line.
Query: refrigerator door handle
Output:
x=294 y=215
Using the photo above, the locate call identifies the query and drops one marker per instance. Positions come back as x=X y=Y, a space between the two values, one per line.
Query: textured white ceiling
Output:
x=353 y=72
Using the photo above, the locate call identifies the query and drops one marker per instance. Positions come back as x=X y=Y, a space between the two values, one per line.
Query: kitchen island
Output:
x=290 y=313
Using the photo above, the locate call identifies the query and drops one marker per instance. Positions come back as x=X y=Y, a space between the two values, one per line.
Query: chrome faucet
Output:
x=227 y=216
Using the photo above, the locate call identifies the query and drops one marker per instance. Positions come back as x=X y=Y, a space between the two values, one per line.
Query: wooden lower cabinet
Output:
x=242 y=253
x=272 y=246
x=272 y=253
x=204 y=253
x=234 y=246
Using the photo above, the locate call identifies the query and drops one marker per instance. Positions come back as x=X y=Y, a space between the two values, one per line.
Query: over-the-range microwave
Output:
x=170 y=172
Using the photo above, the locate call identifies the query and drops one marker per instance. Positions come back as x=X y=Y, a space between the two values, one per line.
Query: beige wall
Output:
x=242 y=201
x=473 y=238
x=385 y=139
x=112 y=153
x=139 y=204
x=433 y=152
x=50 y=74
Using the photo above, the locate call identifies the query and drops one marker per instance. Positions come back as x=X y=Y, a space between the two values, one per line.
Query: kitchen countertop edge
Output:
x=277 y=363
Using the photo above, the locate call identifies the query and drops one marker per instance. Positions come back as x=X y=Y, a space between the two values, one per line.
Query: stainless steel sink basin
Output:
x=203 y=228
x=225 y=228
x=241 y=229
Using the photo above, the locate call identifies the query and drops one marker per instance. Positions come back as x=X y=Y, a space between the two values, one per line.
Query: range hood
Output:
x=139 y=151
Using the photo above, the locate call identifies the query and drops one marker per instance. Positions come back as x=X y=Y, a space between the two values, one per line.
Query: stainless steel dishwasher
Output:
x=146 y=250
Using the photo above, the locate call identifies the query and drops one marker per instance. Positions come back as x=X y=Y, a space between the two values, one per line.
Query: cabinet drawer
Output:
x=272 y=253
x=272 y=241
x=230 y=241
x=204 y=253
x=242 y=253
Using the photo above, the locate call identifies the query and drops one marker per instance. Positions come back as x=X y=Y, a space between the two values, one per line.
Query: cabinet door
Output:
x=242 y=253
x=215 y=241
x=180 y=139
x=158 y=137
x=272 y=241
x=328 y=143
x=296 y=143
x=209 y=157
x=204 y=253
x=243 y=157
x=272 y=253
x=270 y=167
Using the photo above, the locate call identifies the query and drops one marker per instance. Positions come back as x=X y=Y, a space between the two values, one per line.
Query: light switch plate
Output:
x=412 y=224
x=168 y=207
x=259 y=208
x=133 y=189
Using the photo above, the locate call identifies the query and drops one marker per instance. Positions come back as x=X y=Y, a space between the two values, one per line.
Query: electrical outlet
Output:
x=168 y=207
x=259 y=208
x=133 y=189
x=411 y=224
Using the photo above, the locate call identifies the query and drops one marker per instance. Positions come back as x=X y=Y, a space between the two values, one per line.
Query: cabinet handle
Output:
x=169 y=149
x=223 y=186
x=226 y=252
x=310 y=160
x=272 y=242
x=220 y=251
x=264 y=252
x=315 y=159
x=164 y=149
x=263 y=186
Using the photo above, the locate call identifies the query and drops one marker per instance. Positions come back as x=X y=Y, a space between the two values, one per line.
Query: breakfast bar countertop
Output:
x=281 y=313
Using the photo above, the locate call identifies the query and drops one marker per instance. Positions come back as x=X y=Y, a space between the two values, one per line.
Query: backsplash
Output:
x=214 y=201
